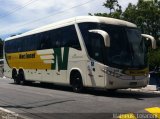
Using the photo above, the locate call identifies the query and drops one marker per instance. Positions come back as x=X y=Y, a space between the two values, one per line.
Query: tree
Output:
x=146 y=15
x=115 y=10
x=154 y=58
x=112 y=5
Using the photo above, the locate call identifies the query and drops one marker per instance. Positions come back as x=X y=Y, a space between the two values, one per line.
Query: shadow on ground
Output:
x=138 y=95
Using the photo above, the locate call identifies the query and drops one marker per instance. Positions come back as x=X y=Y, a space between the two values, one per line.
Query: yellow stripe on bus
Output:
x=155 y=111
x=33 y=61
x=127 y=116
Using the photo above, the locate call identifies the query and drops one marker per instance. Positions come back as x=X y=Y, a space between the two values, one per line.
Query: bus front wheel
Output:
x=76 y=82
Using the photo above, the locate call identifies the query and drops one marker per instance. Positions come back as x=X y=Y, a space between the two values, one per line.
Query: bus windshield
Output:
x=127 y=49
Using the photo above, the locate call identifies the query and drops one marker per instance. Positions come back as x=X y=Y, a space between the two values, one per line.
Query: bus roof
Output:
x=74 y=20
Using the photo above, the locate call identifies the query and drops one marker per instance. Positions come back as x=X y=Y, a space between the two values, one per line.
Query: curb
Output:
x=7 y=114
x=148 y=88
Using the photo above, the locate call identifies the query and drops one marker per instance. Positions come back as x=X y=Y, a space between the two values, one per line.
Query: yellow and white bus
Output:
x=86 y=51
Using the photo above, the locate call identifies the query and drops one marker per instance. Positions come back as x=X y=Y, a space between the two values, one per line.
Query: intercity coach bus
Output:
x=88 y=51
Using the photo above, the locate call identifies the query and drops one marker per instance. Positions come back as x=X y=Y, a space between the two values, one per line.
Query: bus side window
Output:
x=74 y=39
x=28 y=43
x=48 y=41
x=16 y=46
x=56 y=38
x=52 y=38
x=38 y=39
x=70 y=38
x=42 y=41
x=31 y=43
x=19 y=47
x=96 y=46
x=65 y=37
x=23 y=44
x=45 y=40
x=10 y=46
x=35 y=41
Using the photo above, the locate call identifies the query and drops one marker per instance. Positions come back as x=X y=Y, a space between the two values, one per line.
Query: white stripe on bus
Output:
x=45 y=52
x=48 y=61
x=47 y=57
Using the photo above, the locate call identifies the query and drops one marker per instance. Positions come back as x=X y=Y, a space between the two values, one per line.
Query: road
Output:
x=59 y=102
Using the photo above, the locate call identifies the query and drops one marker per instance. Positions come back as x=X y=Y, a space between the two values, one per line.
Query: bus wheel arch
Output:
x=76 y=81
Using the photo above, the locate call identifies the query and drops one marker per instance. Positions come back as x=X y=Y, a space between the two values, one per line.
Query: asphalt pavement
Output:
x=38 y=101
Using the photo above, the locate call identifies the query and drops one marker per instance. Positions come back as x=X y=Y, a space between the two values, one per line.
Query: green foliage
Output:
x=154 y=58
x=115 y=10
x=146 y=15
x=112 y=5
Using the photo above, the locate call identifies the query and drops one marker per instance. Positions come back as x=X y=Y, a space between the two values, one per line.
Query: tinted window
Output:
x=65 y=37
x=95 y=44
x=70 y=38
x=61 y=37
x=91 y=40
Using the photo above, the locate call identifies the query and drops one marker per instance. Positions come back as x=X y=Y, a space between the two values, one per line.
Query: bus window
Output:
x=70 y=38
x=96 y=47
x=46 y=40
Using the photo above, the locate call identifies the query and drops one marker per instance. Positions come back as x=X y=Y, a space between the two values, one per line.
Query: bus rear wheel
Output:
x=76 y=82
x=21 y=78
x=15 y=76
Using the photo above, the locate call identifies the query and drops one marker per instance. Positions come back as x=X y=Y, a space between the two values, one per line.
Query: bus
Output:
x=85 y=51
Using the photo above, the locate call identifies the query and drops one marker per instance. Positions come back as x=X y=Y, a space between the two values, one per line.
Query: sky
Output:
x=18 y=16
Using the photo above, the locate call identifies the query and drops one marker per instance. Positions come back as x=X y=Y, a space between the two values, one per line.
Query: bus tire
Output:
x=21 y=77
x=76 y=81
x=14 y=76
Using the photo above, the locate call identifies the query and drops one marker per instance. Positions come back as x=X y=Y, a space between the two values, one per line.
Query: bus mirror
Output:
x=104 y=34
x=149 y=37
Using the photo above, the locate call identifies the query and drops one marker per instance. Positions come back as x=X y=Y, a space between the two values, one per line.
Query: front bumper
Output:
x=119 y=83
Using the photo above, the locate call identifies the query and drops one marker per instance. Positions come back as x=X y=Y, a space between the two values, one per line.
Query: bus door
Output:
x=96 y=77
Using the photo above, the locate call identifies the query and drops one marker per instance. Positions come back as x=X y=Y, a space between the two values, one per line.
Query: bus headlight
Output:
x=112 y=73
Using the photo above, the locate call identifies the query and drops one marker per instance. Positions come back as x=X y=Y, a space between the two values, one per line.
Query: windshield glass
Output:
x=137 y=47
x=127 y=49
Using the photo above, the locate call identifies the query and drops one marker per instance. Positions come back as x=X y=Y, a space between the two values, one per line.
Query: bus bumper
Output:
x=118 y=83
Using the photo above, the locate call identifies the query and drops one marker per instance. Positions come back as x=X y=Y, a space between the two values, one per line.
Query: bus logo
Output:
x=57 y=57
